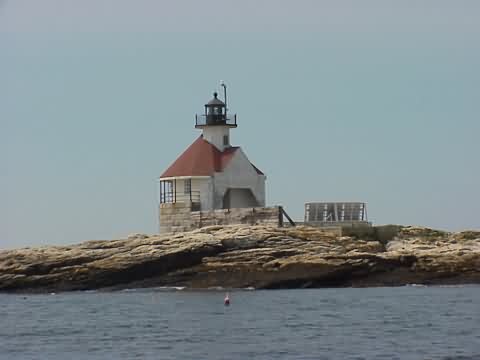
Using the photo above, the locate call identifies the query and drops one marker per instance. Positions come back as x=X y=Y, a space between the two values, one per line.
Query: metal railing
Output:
x=172 y=197
x=201 y=120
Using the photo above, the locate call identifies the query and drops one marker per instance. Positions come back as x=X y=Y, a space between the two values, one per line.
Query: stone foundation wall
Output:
x=175 y=217
x=179 y=217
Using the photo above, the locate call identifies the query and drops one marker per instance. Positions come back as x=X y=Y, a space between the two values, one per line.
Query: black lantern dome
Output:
x=215 y=101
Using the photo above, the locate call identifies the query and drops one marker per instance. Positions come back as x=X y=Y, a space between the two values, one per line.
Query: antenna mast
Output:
x=224 y=96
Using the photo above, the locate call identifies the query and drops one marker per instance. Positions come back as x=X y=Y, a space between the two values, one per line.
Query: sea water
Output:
x=410 y=322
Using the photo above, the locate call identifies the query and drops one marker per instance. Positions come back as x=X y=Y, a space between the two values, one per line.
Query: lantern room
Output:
x=216 y=114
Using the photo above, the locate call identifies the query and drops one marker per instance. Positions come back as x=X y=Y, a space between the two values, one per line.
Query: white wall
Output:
x=214 y=135
x=205 y=186
x=239 y=174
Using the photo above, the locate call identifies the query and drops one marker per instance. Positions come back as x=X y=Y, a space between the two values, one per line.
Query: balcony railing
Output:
x=172 y=197
x=201 y=120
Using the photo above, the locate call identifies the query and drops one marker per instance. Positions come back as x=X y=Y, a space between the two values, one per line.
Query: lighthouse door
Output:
x=239 y=198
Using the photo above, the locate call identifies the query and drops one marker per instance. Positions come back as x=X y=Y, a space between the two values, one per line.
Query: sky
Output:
x=344 y=100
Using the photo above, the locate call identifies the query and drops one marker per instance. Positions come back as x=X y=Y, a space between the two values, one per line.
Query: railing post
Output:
x=284 y=213
x=160 y=192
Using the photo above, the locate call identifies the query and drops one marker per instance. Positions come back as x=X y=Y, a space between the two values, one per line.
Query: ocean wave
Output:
x=170 y=288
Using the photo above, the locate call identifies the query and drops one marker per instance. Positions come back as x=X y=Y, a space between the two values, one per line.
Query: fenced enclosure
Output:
x=334 y=212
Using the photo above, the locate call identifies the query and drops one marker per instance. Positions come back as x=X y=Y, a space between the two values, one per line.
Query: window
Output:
x=167 y=194
x=225 y=140
x=188 y=186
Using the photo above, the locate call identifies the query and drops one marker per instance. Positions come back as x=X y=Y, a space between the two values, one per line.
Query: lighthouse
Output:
x=210 y=174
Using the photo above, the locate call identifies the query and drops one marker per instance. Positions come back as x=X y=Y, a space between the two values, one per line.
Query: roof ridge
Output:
x=202 y=158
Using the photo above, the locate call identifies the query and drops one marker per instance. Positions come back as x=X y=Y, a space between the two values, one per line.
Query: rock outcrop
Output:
x=241 y=256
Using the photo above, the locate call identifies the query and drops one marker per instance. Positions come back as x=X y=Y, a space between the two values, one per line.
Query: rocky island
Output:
x=241 y=256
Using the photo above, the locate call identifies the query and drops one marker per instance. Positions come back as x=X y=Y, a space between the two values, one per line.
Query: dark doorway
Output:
x=239 y=198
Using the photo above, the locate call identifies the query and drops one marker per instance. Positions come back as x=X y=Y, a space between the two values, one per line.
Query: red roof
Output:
x=201 y=159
